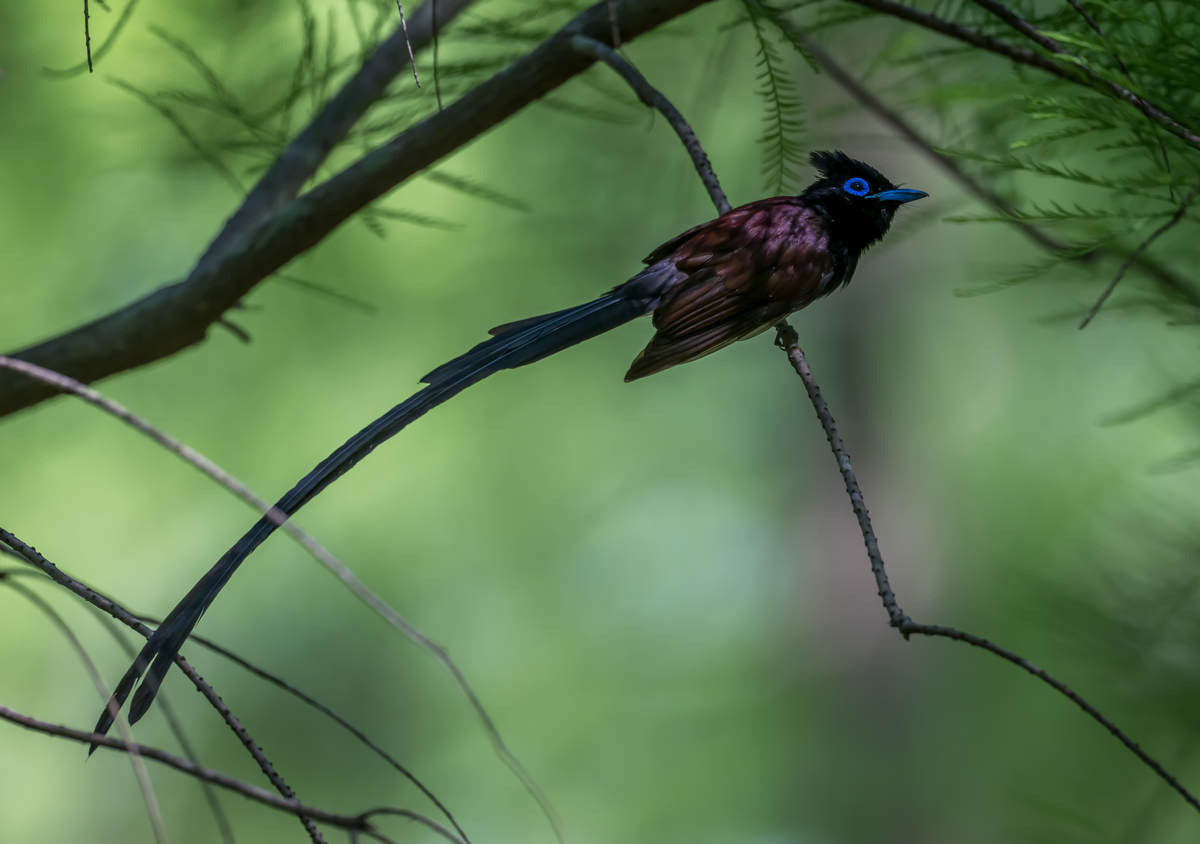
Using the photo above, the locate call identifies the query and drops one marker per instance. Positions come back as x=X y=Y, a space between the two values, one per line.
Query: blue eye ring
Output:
x=856 y=186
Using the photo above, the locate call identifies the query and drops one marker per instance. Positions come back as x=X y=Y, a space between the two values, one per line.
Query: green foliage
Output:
x=782 y=138
x=239 y=133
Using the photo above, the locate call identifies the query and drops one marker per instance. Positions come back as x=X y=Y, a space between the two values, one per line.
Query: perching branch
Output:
x=269 y=231
x=787 y=339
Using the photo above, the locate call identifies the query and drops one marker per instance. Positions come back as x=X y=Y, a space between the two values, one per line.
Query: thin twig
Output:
x=1128 y=262
x=1091 y=22
x=912 y=628
x=37 y=560
x=308 y=700
x=787 y=339
x=87 y=35
x=98 y=53
x=305 y=812
x=135 y=760
x=408 y=43
x=654 y=98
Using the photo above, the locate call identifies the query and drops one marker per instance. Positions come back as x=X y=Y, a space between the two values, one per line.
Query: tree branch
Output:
x=179 y=315
x=787 y=339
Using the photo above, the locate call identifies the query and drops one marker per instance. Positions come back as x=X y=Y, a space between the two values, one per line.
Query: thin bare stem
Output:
x=359 y=823
x=912 y=628
x=408 y=43
x=87 y=35
x=37 y=560
x=787 y=339
x=135 y=760
x=654 y=98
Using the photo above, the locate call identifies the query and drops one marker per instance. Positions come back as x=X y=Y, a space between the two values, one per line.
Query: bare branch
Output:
x=787 y=339
x=139 y=766
x=360 y=823
x=654 y=98
x=408 y=43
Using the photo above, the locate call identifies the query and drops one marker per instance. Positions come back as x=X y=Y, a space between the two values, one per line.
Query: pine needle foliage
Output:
x=785 y=155
x=238 y=128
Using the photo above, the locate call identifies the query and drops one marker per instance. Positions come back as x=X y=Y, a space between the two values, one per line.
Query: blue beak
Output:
x=898 y=195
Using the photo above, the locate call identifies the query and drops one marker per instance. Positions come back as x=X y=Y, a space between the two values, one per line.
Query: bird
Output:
x=721 y=281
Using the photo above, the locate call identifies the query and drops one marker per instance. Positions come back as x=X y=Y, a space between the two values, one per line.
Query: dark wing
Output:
x=746 y=270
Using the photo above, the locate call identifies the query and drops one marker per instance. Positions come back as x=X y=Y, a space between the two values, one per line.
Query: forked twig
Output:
x=788 y=340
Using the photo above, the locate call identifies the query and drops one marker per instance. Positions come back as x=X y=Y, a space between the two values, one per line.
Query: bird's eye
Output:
x=856 y=186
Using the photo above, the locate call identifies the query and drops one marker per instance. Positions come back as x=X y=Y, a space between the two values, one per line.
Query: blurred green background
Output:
x=657 y=589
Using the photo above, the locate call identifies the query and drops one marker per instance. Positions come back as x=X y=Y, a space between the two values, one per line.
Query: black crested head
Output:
x=857 y=199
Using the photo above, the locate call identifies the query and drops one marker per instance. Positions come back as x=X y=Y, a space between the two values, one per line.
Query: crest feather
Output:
x=836 y=165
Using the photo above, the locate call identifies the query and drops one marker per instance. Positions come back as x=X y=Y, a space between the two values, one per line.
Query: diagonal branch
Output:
x=178 y=315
